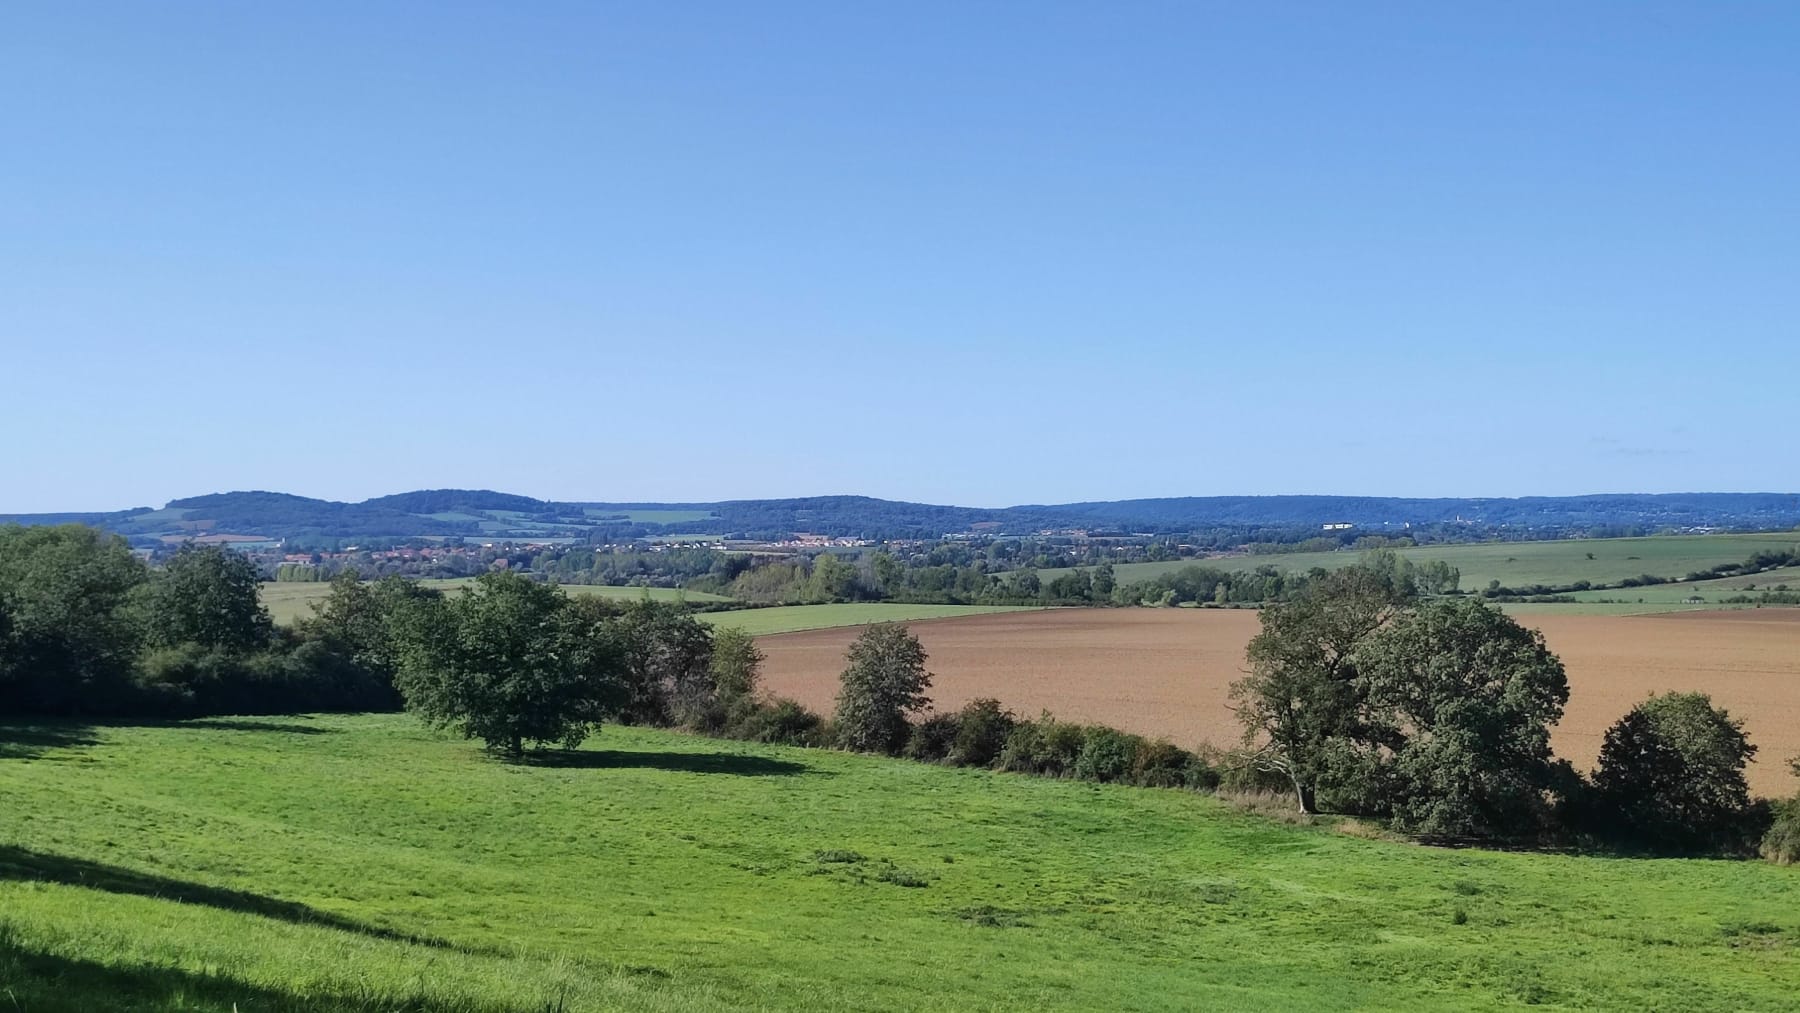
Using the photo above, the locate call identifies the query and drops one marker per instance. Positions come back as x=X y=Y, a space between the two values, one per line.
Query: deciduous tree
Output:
x=511 y=663
x=884 y=682
x=1671 y=775
x=1301 y=704
x=1468 y=696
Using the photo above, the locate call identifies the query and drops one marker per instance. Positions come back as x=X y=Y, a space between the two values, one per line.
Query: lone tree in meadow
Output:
x=509 y=662
x=884 y=682
x=1671 y=776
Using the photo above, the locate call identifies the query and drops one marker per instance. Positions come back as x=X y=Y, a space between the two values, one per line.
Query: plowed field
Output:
x=1165 y=671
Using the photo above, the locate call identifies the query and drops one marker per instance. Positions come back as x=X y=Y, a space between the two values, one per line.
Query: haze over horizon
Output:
x=983 y=257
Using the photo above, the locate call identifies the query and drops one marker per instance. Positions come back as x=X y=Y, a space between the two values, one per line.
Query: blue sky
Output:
x=981 y=253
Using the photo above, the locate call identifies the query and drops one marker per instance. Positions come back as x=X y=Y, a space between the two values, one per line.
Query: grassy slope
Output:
x=1520 y=563
x=360 y=863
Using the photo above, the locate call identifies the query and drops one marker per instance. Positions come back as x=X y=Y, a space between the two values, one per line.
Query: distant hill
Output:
x=485 y=514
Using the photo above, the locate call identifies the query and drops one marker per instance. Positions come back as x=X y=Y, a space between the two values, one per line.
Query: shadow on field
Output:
x=24 y=864
x=28 y=742
x=39 y=981
x=690 y=763
x=242 y=725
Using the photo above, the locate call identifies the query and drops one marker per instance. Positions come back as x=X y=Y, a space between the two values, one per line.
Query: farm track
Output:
x=1165 y=672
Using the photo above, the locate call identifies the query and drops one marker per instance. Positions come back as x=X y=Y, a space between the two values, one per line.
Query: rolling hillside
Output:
x=362 y=863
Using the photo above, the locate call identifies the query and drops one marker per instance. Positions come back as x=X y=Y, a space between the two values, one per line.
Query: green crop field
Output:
x=291 y=600
x=793 y=618
x=362 y=863
x=1521 y=563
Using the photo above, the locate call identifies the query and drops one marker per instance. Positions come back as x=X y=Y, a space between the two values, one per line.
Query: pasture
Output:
x=1165 y=672
x=291 y=600
x=1516 y=564
x=791 y=618
x=362 y=863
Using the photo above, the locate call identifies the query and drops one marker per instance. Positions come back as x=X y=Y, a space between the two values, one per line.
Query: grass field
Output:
x=1521 y=563
x=362 y=863
x=793 y=618
x=288 y=601
x=291 y=600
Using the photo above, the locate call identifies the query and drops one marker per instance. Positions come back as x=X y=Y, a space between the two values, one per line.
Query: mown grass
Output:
x=362 y=863
x=1516 y=564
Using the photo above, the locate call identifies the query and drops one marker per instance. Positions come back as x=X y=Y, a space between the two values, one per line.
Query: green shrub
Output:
x=1023 y=744
x=1200 y=775
x=1106 y=755
x=779 y=721
x=1781 y=843
x=933 y=739
x=192 y=680
x=1160 y=764
x=983 y=728
x=1061 y=748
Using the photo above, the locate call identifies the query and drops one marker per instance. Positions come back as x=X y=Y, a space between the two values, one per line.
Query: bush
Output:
x=1046 y=747
x=1671 y=777
x=1781 y=843
x=982 y=733
x=1023 y=744
x=1160 y=764
x=933 y=739
x=1106 y=755
x=780 y=721
x=1200 y=775
x=192 y=680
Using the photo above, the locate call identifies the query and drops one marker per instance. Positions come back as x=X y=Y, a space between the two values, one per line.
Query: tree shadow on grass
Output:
x=24 y=864
x=243 y=725
x=41 y=981
x=688 y=763
x=29 y=742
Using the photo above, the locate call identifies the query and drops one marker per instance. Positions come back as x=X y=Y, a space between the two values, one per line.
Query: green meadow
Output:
x=1516 y=564
x=291 y=600
x=793 y=618
x=363 y=863
x=288 y=601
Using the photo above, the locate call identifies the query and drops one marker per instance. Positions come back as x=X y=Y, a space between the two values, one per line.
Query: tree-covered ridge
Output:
x=1240 y=519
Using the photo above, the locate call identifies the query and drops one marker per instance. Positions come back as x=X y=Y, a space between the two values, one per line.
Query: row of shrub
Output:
x=984 y=735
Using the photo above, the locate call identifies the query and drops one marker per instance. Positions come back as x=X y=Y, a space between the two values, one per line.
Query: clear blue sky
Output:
x=974 y=253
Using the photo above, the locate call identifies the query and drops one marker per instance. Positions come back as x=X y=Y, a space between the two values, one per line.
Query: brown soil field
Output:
x=1164 y=672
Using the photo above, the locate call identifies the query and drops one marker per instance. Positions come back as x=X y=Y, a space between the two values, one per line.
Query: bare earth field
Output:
x=1165 y=671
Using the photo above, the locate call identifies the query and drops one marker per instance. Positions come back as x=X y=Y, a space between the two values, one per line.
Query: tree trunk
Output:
x=1303 y=792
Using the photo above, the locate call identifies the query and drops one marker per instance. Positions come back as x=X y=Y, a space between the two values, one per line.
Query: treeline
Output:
x=1435 y=715
x=880 y=576
x=88 y=630
x=1758 y=562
